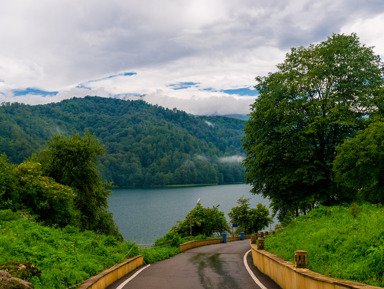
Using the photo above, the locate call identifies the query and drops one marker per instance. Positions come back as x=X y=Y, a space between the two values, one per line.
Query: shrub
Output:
x=42 y=196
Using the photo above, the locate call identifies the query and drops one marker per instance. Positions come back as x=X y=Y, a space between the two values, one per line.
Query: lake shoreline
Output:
x=146 y=214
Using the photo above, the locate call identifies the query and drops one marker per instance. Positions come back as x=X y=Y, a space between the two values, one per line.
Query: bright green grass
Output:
x=339 y=245
x=65 y=256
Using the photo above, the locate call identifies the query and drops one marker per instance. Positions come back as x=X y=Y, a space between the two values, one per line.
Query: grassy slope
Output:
x=65 y=256
x=339 y=244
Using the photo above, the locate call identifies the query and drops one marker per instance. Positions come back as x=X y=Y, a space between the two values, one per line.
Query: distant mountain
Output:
x=145 y=145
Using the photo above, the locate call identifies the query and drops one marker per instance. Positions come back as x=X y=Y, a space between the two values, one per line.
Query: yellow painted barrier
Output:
x=287 y=276
x=107 y=277
x=193 y=244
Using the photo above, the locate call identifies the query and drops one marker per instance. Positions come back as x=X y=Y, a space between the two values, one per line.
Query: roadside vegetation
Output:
x=65 y=256
x=344 y=242
x=54 y=215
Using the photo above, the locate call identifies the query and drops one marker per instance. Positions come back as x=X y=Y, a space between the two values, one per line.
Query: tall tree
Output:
x=72 y=161
x=318 y=96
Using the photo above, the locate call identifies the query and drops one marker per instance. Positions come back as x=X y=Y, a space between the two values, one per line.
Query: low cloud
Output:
x=232 y=159
x=202 y=158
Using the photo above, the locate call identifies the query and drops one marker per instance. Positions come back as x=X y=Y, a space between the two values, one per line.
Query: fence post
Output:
x=260 y=244
x=301 y=259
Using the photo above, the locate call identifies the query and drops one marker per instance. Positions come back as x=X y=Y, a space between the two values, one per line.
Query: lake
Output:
x=144 y=215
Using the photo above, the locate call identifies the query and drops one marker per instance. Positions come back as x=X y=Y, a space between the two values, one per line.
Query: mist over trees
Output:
x=145 y=145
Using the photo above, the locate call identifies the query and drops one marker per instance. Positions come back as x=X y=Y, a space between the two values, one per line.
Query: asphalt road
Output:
x=214 y=266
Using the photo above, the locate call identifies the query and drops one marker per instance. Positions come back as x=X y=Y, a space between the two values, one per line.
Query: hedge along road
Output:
x=214 y=266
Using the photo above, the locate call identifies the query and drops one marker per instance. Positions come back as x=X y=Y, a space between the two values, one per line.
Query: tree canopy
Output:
x=318 y=97
x=249 y=220
x=201 y=221
x=72 y=161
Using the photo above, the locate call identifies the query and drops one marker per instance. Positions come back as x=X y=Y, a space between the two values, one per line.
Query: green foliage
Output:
x=172 y=239
x=72 y=161
x=249 y=220
x=65 y=256
x=318 y=97
x=155 y=254
x=355 y=210
x=50 y=201
x=339 y=244
x=8 y=183
x=202 y=221
x=359 y=163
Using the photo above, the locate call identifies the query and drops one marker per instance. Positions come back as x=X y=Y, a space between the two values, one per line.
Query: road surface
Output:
x=214 y=266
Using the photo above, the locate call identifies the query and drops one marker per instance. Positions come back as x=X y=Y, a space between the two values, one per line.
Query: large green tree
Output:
x=318 y=97
x=73 y=161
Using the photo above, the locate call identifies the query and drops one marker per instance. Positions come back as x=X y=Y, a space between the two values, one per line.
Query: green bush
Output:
x=155 y=254
x=8 y=184
x=172 y=239
x=50 y=201
x=201 y=221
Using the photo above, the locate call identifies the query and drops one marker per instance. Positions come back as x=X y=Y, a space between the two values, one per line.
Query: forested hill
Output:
x=145 y=145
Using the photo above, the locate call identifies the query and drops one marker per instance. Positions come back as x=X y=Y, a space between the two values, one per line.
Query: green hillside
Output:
x=344 y=242
x=65 y=256
x=145 y=145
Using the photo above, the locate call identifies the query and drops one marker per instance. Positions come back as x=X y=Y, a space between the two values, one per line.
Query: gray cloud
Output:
x=56 y=45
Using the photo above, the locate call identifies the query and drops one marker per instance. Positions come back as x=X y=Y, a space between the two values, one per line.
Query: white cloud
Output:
x=367 y=30
x=219 y=44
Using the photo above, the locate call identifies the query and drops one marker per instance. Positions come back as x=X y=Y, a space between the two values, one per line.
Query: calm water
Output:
x=144 y=215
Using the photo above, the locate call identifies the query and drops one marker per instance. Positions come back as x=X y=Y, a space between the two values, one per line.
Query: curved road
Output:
x=214 y=266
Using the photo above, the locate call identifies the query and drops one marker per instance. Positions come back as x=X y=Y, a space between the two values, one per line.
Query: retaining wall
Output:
x=194 y=244
x=107 y=277
x=287 y=276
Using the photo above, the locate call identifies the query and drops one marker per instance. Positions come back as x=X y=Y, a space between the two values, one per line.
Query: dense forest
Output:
x=145 y=145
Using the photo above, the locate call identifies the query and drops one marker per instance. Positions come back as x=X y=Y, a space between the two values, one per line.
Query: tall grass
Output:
x=344 y=242
x=65 y=256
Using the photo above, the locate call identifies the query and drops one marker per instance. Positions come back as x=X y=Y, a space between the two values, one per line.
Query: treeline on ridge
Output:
x=145 y=145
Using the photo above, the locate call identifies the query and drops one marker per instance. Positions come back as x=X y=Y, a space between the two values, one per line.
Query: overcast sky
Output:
x=200 y=56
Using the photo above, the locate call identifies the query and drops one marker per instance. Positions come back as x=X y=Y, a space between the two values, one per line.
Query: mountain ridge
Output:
x=146 y=145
